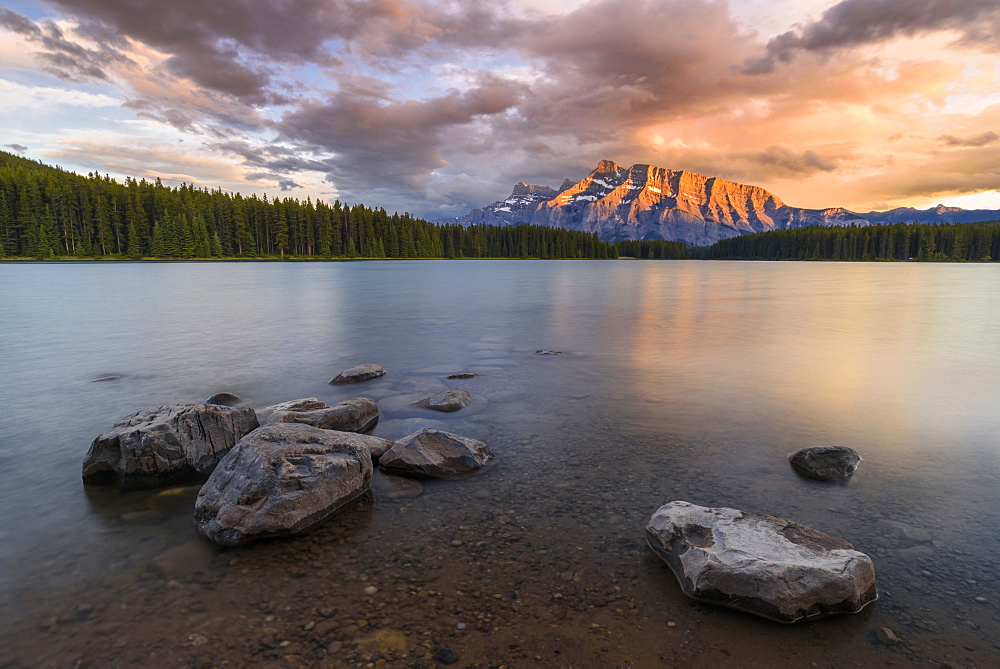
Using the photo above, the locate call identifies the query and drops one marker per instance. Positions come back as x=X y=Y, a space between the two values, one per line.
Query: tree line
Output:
x=652 y=250
x=48 y=212
x=900 y=241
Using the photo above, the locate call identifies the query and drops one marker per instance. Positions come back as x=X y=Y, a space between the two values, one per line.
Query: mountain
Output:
x=647 y=202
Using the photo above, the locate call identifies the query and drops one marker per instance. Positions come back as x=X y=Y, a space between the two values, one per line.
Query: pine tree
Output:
x=133 y=249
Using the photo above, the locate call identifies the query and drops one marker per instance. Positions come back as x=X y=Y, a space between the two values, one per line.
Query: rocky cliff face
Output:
x=647 y=202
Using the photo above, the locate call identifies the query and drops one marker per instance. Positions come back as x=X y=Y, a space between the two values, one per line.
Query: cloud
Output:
x=854 y=23
x=378 y=145
x=64 y=57
x=981 y=139
x=440 y=105
x=785 y=161
x=20 y=148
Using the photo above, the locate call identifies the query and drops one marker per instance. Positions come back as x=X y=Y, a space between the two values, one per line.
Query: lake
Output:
x=678 y=380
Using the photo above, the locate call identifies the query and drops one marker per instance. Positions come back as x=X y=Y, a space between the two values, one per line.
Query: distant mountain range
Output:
x=647 y=202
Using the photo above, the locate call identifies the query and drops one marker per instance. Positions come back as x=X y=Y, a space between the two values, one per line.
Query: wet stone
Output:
x=225 y=399
x=165 y=445
x=446 y=656
x=359 y=373
x=764 y=565
x=446 y=401
x=887 y=636
x=826 y=463
x=436 y=453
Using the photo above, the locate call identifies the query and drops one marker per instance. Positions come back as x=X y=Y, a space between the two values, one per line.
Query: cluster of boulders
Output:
x=282 y=469
x=771 y=567
x=278 y=470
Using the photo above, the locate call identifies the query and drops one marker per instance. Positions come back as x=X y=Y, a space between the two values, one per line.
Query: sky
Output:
x=435 y=107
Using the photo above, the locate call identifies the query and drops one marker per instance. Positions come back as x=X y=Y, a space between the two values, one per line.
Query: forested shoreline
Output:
x=47 y=212
x=960 y=242
x=50 y=213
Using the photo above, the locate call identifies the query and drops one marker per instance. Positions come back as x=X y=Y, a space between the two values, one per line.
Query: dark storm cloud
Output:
x=853 y=23
x=976 y=140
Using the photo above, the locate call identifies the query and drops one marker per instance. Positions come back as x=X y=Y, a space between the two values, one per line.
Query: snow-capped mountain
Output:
x=647 y=202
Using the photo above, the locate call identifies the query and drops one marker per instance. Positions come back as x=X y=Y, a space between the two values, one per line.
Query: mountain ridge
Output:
x=645 y=202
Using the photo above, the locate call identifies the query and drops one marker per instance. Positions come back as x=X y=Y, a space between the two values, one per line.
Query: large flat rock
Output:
x=764 y=565
x=166 y=445
x=280 y=480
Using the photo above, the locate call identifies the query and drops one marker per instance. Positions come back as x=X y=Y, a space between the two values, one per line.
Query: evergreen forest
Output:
x=900 y=241
x=47 y=212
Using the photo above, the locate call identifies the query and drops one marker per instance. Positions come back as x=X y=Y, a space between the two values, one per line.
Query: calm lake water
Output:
x=678 y=380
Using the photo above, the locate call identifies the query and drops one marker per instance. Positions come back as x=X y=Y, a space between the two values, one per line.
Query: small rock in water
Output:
x=544 y=352
x=446 y=656
x=106 y=378
x=436 y=453
x=447 y=401
x=826 y=463
x=887 y=636
x=225 y=399
x=462 y=375
x=359 y=373
x=767 y=566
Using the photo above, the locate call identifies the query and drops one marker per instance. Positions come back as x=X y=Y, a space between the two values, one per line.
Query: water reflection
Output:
x=679 y=380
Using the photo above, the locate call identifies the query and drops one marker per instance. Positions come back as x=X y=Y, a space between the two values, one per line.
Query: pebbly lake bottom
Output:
x=540 y=559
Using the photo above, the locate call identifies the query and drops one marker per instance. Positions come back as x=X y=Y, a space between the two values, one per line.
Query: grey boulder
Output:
x=304 y=404
x=447 y=401
x=359 y=373
x=358 y=414
x=166 y=445
x=281 y=480
x=767 y=566
x=430 y=452
x=826 y=463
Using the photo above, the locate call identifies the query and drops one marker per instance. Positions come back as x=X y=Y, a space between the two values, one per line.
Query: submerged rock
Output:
x=431 y=452
x=463 y=375
x=545 y=352
x=826 y=463
x=447 y=401
x=358 y=414
x=768 y=566
x=225 y=399
x=279 y=480
x=359 y=373
x=166 y=445
x=304 y=404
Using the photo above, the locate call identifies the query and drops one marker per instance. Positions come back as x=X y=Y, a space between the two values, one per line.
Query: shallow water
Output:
x=678 y=380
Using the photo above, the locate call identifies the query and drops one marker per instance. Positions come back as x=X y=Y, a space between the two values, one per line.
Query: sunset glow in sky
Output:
x=438 y=106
